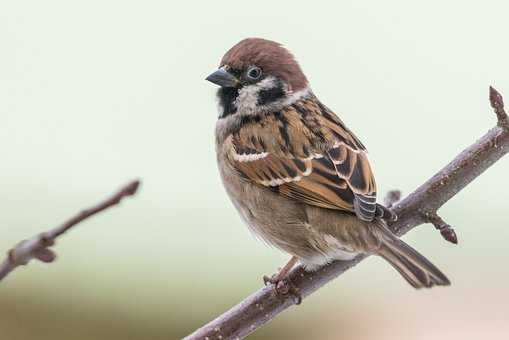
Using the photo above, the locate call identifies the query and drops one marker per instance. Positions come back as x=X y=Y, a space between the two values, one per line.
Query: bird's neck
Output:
x=234 y=117
x=267 y=96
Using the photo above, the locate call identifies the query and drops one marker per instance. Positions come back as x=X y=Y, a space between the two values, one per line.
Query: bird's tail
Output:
x=414 y=267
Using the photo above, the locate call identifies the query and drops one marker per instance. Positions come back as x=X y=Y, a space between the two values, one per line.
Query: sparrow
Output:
x=299 y=178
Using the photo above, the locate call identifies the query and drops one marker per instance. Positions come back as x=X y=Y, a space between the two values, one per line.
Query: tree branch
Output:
x=417 y=208
x=38 y=247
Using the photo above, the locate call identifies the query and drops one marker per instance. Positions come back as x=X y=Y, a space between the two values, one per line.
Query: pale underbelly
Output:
x=286 y=224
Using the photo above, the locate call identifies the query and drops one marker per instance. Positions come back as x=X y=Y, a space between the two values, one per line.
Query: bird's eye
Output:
x=254 y=73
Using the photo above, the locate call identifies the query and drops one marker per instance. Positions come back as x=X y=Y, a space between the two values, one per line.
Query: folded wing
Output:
x=332 y=175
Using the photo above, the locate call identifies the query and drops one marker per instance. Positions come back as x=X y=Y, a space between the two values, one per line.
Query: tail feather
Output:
x=414 y=267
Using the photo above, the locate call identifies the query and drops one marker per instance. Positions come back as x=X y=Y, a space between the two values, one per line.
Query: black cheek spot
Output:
x=270 y=95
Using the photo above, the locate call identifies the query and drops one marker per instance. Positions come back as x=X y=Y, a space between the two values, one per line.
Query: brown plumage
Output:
x=298 y=176
x=315 y=159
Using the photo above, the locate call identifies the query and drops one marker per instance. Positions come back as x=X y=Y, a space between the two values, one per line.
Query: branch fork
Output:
x=38 y=247
x=392 y=197
x=445 y=229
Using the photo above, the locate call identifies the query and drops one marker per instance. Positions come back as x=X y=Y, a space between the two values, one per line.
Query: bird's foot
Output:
x=385 y=213
x=283 y=287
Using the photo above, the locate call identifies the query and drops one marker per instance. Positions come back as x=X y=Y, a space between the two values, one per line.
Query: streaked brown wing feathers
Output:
x=307 y=156
x=353 y=166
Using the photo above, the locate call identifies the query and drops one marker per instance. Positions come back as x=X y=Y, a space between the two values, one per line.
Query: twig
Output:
x=497 y=103
x=391 y=198
x=263 y=305
x=445 y=229
x=37 y=247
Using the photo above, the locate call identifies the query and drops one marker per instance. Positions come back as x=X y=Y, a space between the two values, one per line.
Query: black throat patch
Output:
x=227 y=96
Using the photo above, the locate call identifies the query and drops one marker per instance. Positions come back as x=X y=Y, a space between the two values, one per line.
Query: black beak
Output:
x=223 y=78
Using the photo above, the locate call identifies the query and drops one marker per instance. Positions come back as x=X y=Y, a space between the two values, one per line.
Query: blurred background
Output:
x=93 y=94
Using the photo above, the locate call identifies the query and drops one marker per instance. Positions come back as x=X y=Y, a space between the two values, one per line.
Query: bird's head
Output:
x=257 y=75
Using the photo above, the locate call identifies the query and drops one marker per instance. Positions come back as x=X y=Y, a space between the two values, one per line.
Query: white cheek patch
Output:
x=247 y=100
x=296 y=96
x=246 y=103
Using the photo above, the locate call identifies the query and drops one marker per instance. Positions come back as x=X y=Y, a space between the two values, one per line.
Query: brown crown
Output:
x=273 y=59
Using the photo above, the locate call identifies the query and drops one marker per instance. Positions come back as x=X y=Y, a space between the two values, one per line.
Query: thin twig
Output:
x=263 y=305
x=392 y=198
x=497 y=103
x=445 y=229
x=37 y=247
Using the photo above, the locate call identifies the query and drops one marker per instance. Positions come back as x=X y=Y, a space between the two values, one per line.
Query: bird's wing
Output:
x=314 y=159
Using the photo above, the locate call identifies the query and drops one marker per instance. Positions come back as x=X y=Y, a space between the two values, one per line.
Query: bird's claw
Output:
x=283 y=287
x=267 y=279
x=385 y=213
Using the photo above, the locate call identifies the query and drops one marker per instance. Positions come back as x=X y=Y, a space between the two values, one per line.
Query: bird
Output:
x=298 y=176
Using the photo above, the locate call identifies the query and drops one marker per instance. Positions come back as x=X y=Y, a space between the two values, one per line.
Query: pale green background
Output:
x=95 y=93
